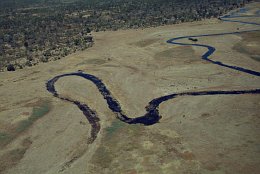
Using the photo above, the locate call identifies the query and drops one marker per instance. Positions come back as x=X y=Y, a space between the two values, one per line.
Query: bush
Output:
x=10 y=67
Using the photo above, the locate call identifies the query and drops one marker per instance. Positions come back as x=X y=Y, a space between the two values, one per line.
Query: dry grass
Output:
x=38 y=112
x=145 y=43
x=12 y=157
x=9 y=132
x=180 y=53
x=92 y=62
x=249 y=45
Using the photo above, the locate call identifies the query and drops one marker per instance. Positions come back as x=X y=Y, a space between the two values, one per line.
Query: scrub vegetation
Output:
x=40 y=31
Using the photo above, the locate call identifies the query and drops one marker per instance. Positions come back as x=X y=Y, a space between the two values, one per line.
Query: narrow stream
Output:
x=152 y=115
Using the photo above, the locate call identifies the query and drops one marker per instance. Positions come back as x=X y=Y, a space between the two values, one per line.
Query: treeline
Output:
x=33 y=31
x=124 y=14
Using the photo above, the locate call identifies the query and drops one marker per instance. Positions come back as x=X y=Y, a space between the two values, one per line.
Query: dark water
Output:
x=152 y=115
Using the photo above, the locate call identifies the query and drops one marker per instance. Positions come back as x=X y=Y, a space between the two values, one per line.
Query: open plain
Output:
x=196 y=135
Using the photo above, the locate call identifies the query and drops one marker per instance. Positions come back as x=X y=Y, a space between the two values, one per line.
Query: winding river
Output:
x=152 y=115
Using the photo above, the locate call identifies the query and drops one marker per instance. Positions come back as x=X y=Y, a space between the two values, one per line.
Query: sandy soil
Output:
x=213 y=134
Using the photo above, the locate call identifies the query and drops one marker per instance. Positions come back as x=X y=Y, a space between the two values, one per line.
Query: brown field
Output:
x=196 y=135
x=250 y=45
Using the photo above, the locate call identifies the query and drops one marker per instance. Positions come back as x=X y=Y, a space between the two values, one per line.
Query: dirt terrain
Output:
x=196 y=135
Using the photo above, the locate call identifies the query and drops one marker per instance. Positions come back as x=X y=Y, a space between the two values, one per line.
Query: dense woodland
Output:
x=33 y=31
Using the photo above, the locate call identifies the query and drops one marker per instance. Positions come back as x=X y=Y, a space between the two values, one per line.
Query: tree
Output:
x=88 y=30
x=10 y=67
x=26 y=45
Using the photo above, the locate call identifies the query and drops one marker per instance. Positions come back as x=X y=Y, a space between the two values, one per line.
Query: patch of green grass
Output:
x=114 y=127
x=38 y=112
x=5 y=138
x=256 y=57
x=23 y=125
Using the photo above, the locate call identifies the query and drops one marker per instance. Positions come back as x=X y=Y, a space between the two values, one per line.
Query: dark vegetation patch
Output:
x=12 y=157
x=38 y=112
x=205 y=115
x=5 y=138
x=10 y=67
x=115 y=126
x=256 y=57
x=9 y=132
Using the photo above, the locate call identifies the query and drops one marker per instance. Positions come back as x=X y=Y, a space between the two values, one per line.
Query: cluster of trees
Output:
x=123 y=14
x=33 y=31
x=30 y=36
